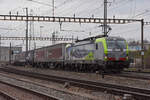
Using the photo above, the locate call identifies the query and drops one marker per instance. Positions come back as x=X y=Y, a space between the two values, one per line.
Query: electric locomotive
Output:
x=107 y=53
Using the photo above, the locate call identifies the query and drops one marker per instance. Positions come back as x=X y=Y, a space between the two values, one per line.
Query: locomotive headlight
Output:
x=105 y=58
x=127 y=57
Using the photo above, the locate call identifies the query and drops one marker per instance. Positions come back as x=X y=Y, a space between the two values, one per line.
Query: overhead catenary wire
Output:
x=70 y=8
x=86 y=11
x=40 y=3
x=58 y=6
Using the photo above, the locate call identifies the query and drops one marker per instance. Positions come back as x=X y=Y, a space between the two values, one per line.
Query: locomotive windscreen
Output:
x=116 y=44
x=117 y=48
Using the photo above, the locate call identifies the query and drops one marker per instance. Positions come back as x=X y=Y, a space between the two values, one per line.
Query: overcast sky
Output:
x=136 y=9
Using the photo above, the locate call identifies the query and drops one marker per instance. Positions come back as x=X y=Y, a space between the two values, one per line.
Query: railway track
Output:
x=138 y=93
x=6 y=96
x=138 y=72
x=143 y=76
x=31 y=91
x=46 y=87
x=10 y=85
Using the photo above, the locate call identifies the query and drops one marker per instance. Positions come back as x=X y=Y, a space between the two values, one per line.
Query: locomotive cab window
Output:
x=119 y=44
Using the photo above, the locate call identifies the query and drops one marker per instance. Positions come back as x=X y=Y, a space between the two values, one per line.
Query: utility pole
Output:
x=30 y=29
x=105 y=18
x=72 y=38
x=53 y=38
x=10 y=53
x=30 y=32
x=53 y=4
x=34 y=53
x=0 y=49
x=142 y=43
x=26 y=33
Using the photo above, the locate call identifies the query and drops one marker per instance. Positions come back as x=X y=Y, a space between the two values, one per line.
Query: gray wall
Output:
x=5 y=52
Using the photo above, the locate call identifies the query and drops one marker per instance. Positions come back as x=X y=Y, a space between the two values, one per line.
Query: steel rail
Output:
x=7 y=96
x=46 y=96
x=143 y=94
x=131 y=75
x=138 y=72
x=41 y=85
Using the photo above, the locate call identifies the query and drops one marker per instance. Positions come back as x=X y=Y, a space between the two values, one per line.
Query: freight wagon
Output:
x=49 y=56
x=59 y=56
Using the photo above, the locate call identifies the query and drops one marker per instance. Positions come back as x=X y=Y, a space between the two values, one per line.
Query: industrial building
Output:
x=6 y=53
